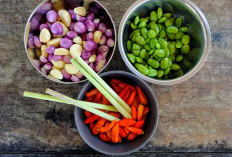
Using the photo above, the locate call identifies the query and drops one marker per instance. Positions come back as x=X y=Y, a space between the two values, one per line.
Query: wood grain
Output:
x=195 y=116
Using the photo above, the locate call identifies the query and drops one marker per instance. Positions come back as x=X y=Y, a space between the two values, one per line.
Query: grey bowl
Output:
x=68 y=4
x=192 y=15
x=126 y=147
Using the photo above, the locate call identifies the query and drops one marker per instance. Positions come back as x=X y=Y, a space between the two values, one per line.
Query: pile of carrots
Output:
x=113 y=131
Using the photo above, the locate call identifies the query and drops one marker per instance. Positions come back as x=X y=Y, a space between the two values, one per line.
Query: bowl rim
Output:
x=153 y=130
x=189 y=74
x=26 y=33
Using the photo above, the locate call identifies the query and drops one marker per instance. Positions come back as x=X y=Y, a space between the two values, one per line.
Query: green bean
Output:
x=160 y=53
x=171 y=36
x=167 y=71
x=160 y=73
x=133 y=26
x=131 y=57
x=179 y=58
x=183 y=29
x=153 y=43
x=144 y=32
x=151 y=34
x=179 y=44
x=152 y=51
x=147 y=47
x=185 y=49
x=129 y=45
x=164 y=63
x=143 y=53
x=172 y=29
x=178 y=22
x=162 y=20
x=167 y=15
x=140 y=40
x=185 y=39
x=136 y=21
x=168 y=23
x=152 y=73
x=139 y=60
x=159 y=13
x=136 y=52
x=136 y=47
x=162 y=34
x=153 y=16
x=154 y=63
x=179 y=35
x=142 y=69
x=142 y=24
x=175 y=66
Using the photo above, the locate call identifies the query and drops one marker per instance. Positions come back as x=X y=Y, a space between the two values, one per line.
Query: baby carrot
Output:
x=140 y=112
x=142 y=97
x=115 y=114
x=126 y=122
x=146 y=111
x=116 y=88
x=122 y=132
x=139 y=124
x=115 y=133
x=123 y=92
x=135 y=130
x=131 y=99
x=131 y=136
x=87 y=113
x=104 y=137
x=98 y=125
x=134 y=112
x=126 y=96
x=92 y=92
x=97 y=97
x=91 y=119
x=108 y=127
x=105 y=101
x=91 y=126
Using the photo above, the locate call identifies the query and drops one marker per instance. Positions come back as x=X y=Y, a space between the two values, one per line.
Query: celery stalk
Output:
x=81 y=105
x=102 y=82
x=101 y=89
x=52 y=98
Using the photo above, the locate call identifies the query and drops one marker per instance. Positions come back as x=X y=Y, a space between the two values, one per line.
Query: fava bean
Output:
x=143 y=53
x=172 y=29
x=144 y=32
x=160 y=53
x=139 y=60
x=136 y=47
x=136 y=52
x=140 y=40
x=167 y=15
x=178 y=22
x=179 y=58
x=134 y=36
x=162 y=34
x=160 y=73
x=175 y=67
x=179 y=44
x=142 y=24
x=162 y=20
x=153 y=43
x=159 y=13
x=136 y=21
x=157 y=45
x=154 y=63
x=167 y=71
x=154 y=27
x=164 y=63
x=185 y=39
x=152 y=52
x=133 y=26
x=142 y=69
x=129 y=45
x=143 y=20
x=153 y=16
x=131 y=57
x=151 y=34
x=147 y=47
x=183 y=29
x=185 y=49
x=172 y=19
x=168 y=23
x=147 y=40
x=179 y=35
x=152 y=73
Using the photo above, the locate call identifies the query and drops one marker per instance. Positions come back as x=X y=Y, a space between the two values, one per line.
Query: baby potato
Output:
x=58 y=64
x=71 y=69
x=56 y=74
x=61 y=51
x=45 y=35
x=55 y=42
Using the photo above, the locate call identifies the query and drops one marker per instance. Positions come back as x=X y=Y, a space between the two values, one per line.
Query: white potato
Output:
x=58 y=64
x=55 y=42
x=61 y=51
x=71 y=69
x=75 y=50
x=45 y=35
x=56 y=74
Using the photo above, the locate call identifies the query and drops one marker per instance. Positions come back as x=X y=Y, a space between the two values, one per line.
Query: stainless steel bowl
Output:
x=86 y=3
x=192 y=15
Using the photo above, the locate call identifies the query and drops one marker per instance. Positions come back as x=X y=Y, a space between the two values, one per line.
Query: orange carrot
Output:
x=108 y=127
x=105 y=101
x=108 y=133
x=115 y=114
x=140 y=112
x=104 y=137
x=134 y=111
x=123 y=92
x=126 y=130
x=126 y=122
x=131 y=136
x=131 y=87
x=131 y=99
x=136 y=102
x=98 y=125
x=139 y=124
x=92 y=92
x=91 y=125
x=90 y=99
x=91 y=119
x=115 y=133
x=119 y=139
x=135 y=130
x=142 y=97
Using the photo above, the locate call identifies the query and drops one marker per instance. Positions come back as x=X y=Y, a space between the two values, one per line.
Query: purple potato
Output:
x=109 y=33
x=50 y=58
x=103 y=40
x=74 y=78
x=30 y=43
x=90 y=45
x=66 y=43
x=96 y=22
x=85 y=54
x=52 y=16
x=100 y=63
x=57 y=57
x=66 y=75
x=80 y=18
x=72 y=14
x=35 y=22
x=90 y=16
x=91 y=65
x=37 y=42
x=90 y=36
x=79 y=27
x=57 y=29
x=110 y=42
x=67 y=59
x=43 y=59
x=103 y=49
x=102 y=27
x=50 y=49
x=71 y=27
x=42 y=26
x=71 y=34
x=89 y=25
x=48 y=66
x=43 y=70
x=45 y=8
x=37 y=63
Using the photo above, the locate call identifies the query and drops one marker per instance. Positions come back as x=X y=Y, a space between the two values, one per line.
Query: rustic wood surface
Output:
x=195 y=116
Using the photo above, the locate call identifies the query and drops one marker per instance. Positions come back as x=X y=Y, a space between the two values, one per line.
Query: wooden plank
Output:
x=195 y=116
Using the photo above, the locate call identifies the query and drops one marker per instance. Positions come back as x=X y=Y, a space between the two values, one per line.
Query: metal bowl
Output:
x=69 y=4
x=126 y=147
x=192 y=15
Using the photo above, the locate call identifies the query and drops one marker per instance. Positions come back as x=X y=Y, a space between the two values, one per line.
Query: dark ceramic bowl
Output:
x=126 y=147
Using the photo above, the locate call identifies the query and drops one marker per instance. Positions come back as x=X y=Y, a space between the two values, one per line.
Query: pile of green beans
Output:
x=158 y=45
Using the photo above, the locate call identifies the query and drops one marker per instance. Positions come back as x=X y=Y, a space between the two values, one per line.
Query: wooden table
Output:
x=195 y=116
